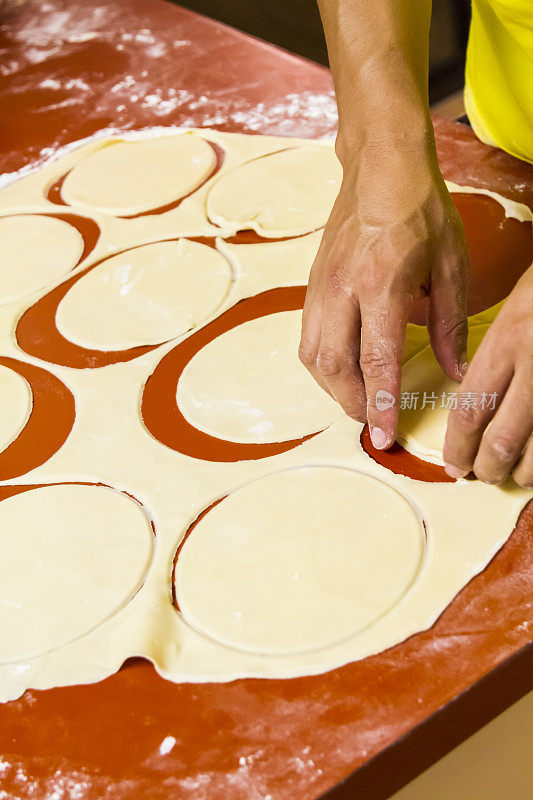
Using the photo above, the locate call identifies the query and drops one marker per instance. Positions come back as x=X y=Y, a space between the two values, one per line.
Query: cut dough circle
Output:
x=421 y=429
x=145 y=296
x=15 y=405
x=71 y=557
x=34 y=251
x=248 y=385
x=299 y=560
x=282 y=194
x=125 y=178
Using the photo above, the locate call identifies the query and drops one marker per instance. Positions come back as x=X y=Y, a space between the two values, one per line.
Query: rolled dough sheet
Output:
x=71 y=557
x=145 y=296
x=266 y=265
x=422 y=427
x=34 y=252
x=299 y=560
x=282 y=194
x=131 y=177
x=15 y=405
x=249 y=386
x=95 y=544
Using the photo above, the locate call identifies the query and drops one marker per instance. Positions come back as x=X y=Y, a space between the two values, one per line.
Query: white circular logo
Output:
x=384 y=400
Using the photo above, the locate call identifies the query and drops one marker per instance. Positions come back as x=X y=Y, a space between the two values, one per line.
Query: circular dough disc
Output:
x=15 y=405
x=145 y=296
x=282 y=194
x=34 y=251
x=124 y=178
x=298 y=561
x=249 y=386
x=422 y=429
x=71 y=556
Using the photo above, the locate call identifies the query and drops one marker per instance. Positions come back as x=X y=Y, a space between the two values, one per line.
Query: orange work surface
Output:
x=71 y=68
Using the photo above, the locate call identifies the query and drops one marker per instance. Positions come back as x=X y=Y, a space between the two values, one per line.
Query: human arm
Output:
x=393 y=235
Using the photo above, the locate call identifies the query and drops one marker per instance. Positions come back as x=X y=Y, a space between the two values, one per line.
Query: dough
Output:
x=34 y=252
x=71 y=556
x=249 y=386
x=127 y=178
x=15 y=405
x=311 y=501
x=145 y=296
x=422 y=428
x=267 y=265
x=282 y=194
x=299 y=560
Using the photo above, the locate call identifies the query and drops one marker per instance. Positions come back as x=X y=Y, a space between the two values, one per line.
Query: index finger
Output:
x=384 y=327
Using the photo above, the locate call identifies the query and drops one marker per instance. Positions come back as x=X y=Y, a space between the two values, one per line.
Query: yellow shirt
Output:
x=499 y=75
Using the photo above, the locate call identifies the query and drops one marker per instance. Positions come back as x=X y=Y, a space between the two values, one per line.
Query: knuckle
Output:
x=340 y=282
x=329 y=362
x=467 y=418
x=375 y=364
x=307 y=354
x=500 y=448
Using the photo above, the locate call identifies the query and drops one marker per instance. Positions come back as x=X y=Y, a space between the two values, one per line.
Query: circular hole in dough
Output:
x=145 y=296
x=282 y=194
x=34 y=251
x=15 y=405
x=299 y=561
x=422 y=427
x=248 y=385
x=71 y=556
x=125 y=178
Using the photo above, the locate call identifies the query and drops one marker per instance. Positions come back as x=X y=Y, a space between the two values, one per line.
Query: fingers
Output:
x=481 y=393
x=329 y=347
x=523 y=472
x=507 y=434
x=338 y=352
x=311 y=332
x=384 y=325
x=447 y=317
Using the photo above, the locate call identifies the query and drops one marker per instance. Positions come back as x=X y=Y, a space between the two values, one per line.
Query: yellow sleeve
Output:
x=499 y=75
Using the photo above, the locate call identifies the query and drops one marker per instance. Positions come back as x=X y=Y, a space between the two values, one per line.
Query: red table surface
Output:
x=67 y=70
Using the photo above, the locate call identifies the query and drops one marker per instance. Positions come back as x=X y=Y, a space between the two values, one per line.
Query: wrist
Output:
x=374 y=135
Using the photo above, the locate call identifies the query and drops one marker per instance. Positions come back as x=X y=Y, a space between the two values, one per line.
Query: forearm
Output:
x=378 y=53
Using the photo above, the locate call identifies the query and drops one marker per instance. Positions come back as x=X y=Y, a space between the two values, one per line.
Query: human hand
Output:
x=493 y=442
x=393 y=236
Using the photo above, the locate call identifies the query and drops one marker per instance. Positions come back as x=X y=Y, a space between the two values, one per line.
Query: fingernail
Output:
x=462 y=365
x=455 y=472
x=380 y=440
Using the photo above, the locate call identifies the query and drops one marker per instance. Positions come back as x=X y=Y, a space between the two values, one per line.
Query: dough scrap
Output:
x=145 y=296
x=15 y=405
x=109 y=444
x=71 y=556
x=248 y=385
x=126 y=177
x=34 y=252
x=422 y=429
x=282 y=194
x=299 y=560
